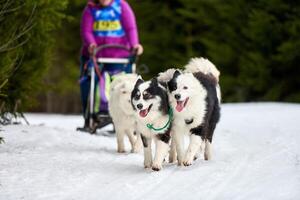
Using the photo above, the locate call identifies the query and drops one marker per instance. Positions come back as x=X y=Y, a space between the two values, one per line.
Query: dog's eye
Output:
x=124 y=92
x=137 y=96
x=147 y=96
x=173 y=87
x=185 y=87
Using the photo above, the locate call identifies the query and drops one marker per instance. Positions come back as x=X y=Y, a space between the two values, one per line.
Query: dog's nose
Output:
x=139 y=106
x=177 y=96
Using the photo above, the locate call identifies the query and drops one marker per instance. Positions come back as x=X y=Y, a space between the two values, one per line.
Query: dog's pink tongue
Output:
x=180 y=106
x=143 y=113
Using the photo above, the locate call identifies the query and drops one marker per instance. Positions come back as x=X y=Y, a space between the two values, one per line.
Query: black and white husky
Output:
x=154 y=116
x=195 y=96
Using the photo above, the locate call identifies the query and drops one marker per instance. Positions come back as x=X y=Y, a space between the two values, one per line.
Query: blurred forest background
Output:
x=255 y=44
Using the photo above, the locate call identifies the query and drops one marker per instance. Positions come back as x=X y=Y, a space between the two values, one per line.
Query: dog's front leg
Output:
x=200 y=150
x=161 y=151
x=179 y=141
x=138 y=143
x=207 y=151
x=147 y=151
x=132 y=140
x=194 y=146
x=172 y=153
x=120 y=140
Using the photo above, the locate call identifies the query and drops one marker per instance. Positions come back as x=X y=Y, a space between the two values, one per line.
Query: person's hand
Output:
x=138 y=49
x=91 y=48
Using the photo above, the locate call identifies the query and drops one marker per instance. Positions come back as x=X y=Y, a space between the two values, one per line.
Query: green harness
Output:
x=170 y=113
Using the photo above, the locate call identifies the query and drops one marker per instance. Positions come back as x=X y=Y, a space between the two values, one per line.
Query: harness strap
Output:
x=170 y=113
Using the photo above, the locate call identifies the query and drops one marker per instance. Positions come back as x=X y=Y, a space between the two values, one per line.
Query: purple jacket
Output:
x=128 y=23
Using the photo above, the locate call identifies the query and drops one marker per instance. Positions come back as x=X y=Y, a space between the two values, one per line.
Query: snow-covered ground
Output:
x=256 y=155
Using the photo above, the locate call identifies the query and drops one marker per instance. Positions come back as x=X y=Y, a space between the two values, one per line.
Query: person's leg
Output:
x=84 y=85
x=128 y=67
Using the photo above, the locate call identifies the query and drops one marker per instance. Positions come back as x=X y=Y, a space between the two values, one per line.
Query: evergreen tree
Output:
x=26 y=30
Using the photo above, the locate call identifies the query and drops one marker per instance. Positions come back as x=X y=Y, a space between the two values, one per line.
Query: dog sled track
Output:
x=241 y=166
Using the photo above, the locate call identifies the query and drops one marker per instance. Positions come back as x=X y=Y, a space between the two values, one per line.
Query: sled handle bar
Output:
x=116 y=46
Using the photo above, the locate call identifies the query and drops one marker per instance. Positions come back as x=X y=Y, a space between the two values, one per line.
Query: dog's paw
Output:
x=207 y=157
x=187 y=162
x=147 y=165
x=121 y=151
x=156 y=167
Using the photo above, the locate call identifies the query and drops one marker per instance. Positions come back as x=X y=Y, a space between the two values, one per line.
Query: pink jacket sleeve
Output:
x=129 y=23
x=87 y=27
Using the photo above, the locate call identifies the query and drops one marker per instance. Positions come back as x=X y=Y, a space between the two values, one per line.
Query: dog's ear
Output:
x=138 y=82
x=154 y=81
x=176 y=73
x=172 y=84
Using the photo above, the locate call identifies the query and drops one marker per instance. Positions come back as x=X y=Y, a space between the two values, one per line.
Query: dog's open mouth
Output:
x=181 y=104
x=144 y=113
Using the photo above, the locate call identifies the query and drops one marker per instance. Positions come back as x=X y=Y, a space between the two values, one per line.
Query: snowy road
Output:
x=256 y=155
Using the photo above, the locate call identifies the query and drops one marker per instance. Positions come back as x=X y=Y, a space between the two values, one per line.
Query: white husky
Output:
x=122 y=113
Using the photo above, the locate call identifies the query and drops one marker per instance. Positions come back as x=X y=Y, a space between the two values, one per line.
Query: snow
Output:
x=256 y=155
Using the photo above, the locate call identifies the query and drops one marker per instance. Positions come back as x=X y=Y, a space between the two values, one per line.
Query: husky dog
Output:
x=195 y=96
x=121 y=111
x=154 y=116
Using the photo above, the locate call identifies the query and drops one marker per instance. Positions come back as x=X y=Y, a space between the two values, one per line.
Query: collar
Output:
x=166 y=126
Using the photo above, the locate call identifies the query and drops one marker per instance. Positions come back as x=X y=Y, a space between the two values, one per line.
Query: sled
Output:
x=98 y=120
